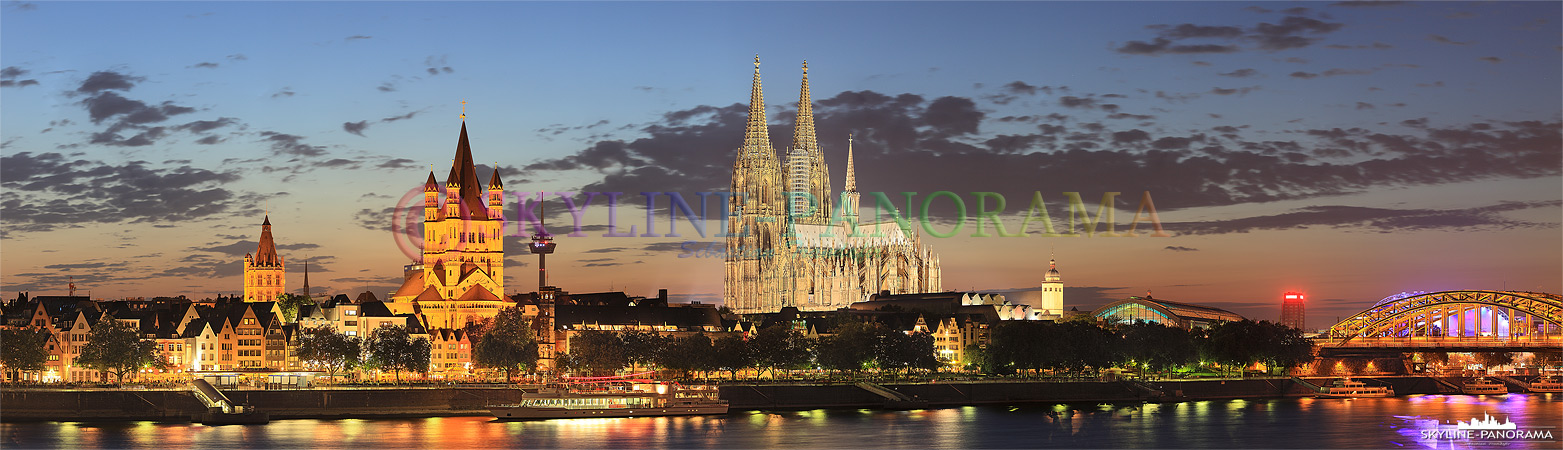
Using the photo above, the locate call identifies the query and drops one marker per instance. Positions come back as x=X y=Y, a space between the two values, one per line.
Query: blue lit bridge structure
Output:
x=1451 y=321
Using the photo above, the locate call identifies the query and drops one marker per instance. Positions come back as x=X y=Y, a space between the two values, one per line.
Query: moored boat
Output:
x=1484 y=386
x=613 y=397
x=1346 y=388
x=1546 y=384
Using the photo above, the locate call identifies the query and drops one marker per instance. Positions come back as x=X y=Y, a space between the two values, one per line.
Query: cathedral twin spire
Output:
x=805 y=170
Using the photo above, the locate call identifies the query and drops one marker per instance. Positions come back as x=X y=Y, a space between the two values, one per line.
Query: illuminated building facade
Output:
x=790 y=244
x=461 y=276
x=265 y=276
x=1292 y=311
x=1052 y=292
x=1169 y=313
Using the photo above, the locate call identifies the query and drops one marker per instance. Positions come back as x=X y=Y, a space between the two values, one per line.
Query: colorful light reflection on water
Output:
x=1257 y=423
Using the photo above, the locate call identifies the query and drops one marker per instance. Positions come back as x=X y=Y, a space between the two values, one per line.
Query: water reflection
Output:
x=1265 y=423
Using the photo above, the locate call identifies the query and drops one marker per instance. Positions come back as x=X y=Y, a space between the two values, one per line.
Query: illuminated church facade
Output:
x=791 y=242
x=265 y=275
x=461 y=275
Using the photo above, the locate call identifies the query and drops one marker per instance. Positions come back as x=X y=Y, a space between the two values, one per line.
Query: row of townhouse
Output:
x=190 y=336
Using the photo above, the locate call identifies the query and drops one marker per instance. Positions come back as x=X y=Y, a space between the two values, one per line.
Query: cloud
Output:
x=1240 y=73
x=1491 y=59
x=355 y=127
x=1380 y=220
x=1238 y=91
x=285 y=92
x=1293 y=31
x=1178 y=248
x=1444 y=40
x=237 y=57
x=288 y=144
x=356 y=37
x=204 y=65
x=50 y=191
x=904 y=145
x=1368 y=4
x=9 y=77
x=359 y=126
x=1161 y=46
x=106 y=80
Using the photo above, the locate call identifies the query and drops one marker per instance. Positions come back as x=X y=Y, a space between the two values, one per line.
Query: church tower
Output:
x=849 y=194
x=461 y=276
x=1052 y=291
x=264 y=273
x=806 y=169
x=756 y=250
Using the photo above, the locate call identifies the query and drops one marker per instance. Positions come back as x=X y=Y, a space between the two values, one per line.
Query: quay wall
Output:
x=31 y=404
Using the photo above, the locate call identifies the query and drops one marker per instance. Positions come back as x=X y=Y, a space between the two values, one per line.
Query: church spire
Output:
x=803 y=129
x=306 y=278
x=851 y=171
x=266 y=252
x=756 y=135
x=464 y=174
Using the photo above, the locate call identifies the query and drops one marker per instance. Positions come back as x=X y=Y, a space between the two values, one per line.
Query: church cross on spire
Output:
x=463 y=109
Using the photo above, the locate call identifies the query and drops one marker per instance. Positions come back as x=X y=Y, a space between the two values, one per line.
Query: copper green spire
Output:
x=756 y=135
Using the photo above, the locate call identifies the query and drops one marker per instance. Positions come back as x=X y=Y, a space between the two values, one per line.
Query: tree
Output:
x=1490 y=360
x=899 y=350
x=642 y=348
x=599 y=352
x=116 y=348
x=507 y=343
x=392 y=348
x=24 y=350
x=330 y=350
x=780 y=346
x=731 y=353
x=1154 y=346
x=851 y=348
x=689 y=353
x=290 y=304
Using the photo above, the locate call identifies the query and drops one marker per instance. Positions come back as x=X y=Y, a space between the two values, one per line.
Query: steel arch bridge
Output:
x=1465 y=320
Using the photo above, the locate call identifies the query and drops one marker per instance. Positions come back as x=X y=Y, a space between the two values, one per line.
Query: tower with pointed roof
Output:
x=782 y=253
x=265 y=276
x=1052 y=291
x=755 y=263
x=461 y=275
x=807 y=172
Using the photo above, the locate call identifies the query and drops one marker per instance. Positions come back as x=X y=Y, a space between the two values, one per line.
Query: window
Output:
x=351 y=312
x=54 y=357
x=249 y=321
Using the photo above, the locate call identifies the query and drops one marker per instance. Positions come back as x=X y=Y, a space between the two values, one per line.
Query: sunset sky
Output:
x=1349 y=151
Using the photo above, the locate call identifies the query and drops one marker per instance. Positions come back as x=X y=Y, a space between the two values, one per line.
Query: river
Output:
x=1400 y=422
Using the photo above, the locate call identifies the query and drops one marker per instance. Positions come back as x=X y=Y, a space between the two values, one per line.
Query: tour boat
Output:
x=1484 y=386
x=1355 y=389
x=1546 y=384
x=613 y=397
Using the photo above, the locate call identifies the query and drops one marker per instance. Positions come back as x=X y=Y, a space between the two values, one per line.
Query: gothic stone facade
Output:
x=781 y=252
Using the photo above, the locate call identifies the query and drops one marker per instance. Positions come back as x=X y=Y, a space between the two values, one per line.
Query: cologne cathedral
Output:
x=790 y=244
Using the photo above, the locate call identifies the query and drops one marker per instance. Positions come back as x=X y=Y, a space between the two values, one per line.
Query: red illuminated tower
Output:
x=1292 y=311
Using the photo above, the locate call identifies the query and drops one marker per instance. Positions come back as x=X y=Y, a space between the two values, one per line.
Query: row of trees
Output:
x=113 y=348
x=854 y=347
x=1077 y=346
x=388 y=348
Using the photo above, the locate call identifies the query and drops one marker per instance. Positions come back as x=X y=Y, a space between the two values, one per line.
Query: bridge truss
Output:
x=1467 y=319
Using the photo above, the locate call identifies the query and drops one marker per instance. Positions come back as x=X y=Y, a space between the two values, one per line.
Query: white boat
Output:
x=1546 y=384
x=613 y=397
x=1484 y=386
x=1346 y=388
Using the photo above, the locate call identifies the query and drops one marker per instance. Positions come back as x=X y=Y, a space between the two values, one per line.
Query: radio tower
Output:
x=547 y=296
